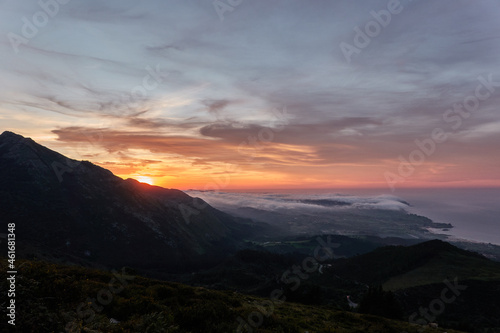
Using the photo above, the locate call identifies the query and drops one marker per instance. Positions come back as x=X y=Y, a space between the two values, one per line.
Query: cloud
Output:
x=148 y=123
x=121 y=140
x=345 y=120
x=216 y=106
x=298 y=202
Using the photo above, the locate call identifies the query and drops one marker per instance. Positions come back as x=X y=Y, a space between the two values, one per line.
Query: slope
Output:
x=424 y=263
x=76 y=299
x=78 y=212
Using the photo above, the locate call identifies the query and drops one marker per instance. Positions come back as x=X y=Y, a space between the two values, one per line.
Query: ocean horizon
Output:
x=473 y=212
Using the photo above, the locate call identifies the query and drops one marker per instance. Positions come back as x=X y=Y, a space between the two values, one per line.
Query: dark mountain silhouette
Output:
x=399 y=267
x=79 y=212
x=391 y=281
x=55 y=304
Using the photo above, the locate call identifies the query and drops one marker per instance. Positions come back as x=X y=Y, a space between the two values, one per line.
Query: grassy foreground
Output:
x=57 y=298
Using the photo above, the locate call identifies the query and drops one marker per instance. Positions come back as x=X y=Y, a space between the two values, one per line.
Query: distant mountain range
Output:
x=75 y=211
x=417 y=276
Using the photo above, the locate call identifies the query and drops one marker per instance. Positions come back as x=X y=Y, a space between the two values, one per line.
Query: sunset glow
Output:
x=146 y=180
x=193 y=102
x=306 y=150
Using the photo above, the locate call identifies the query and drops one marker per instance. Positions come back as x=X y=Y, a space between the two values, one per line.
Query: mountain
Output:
x=413 y=277
x=399 y=267
x=70 y=299
x=69 y=211
x=420 y=276
x=75 y=211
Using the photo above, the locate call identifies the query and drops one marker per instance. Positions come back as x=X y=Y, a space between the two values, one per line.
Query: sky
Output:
x=235 y=94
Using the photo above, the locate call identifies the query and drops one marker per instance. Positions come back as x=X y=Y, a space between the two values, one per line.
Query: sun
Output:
x=143 y=179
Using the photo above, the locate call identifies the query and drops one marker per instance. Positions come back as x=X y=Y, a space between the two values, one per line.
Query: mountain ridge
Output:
x=83 y=210
x=399 y=267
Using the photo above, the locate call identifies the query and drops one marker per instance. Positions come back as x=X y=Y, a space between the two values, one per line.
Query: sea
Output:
x=473 y=212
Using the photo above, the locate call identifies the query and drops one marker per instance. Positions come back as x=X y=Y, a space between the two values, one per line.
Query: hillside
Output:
x=57 y=297
x=416 y=274
x=397 y=267
x=393 y=267
x=75 y=211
